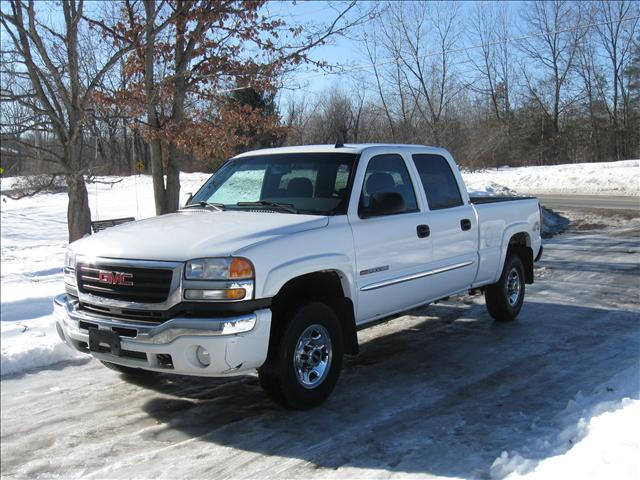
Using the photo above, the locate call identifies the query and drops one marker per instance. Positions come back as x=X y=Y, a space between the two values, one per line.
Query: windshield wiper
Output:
x=216 y=206
x=268 y=203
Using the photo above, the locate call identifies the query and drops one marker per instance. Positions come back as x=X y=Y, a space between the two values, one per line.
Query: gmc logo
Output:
x=115 y=278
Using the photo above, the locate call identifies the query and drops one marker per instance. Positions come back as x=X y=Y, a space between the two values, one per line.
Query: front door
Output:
x=392 y=250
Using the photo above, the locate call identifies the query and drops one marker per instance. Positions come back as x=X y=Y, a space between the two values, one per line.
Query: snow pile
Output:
x=32 y=344
x=606 y=178
x=553 y=223
x=33 y=241
x=477 y=188
x=601 y=442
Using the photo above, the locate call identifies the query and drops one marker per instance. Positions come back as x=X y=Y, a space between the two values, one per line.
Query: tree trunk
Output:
x=155 y=148
x=172 y=192
x=78 y=213
x=157 y=174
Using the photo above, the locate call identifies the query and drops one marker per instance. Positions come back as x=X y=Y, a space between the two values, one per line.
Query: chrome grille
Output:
x=143 y=285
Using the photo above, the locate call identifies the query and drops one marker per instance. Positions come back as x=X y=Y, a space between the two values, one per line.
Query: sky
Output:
x=346 y=50
x=340 y=51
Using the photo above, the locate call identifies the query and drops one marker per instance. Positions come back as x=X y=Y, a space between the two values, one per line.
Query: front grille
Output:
x=144 y=285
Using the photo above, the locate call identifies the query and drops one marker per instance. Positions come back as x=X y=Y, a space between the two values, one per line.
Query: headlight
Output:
x=235 y=268
x=70 y=271
x=70 y=259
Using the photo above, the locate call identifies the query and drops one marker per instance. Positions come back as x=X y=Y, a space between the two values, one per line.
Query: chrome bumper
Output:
x=235 y=344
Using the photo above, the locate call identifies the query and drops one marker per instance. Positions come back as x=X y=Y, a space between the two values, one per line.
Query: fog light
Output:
x=203 y=356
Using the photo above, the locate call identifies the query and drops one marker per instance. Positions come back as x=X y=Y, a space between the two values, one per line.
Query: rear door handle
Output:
x=465 y=224
x=423 y=231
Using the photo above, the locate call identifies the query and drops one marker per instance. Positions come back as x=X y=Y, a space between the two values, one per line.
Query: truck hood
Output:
x=193 y=234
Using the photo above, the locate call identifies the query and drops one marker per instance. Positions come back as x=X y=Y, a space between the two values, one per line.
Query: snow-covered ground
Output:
x=592 y=435
x=441 y=393
x=603 y=439
x=33 y=241
x=606 y=178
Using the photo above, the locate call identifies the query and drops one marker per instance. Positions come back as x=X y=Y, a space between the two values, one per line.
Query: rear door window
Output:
x=438 y=181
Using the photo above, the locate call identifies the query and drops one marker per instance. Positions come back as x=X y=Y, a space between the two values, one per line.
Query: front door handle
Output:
x=423 y=231
x=465 y=224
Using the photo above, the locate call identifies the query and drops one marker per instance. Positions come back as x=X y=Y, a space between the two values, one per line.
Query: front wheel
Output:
x=304 y=363
x=505 y=298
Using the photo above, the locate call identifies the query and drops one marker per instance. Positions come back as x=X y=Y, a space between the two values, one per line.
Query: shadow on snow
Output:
x=26 y=309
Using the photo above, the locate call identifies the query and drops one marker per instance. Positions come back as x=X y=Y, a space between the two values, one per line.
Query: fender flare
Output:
x=510 y=231
x=343 y=306
x=340 y=263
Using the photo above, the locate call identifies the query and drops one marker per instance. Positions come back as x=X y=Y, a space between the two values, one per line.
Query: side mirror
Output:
x=384 y=203
x=189 y=198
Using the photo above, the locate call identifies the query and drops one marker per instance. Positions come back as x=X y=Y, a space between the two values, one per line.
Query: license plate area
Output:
x=104 y=341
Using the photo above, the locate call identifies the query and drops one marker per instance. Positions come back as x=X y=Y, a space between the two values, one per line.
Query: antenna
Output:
x=339 y=144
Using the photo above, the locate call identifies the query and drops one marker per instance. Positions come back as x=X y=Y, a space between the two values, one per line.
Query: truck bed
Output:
x=496 y=217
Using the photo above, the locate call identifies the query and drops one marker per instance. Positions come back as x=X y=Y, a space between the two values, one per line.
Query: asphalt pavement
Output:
x=591 y=202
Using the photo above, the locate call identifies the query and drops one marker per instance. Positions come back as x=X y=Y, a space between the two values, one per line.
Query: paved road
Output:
x=590 y=201
x=438 y=393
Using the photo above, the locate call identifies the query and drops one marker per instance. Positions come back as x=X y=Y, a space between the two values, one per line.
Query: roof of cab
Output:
x=346 y=148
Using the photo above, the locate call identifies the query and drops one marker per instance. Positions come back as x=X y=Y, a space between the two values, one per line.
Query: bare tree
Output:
x=555 y=36
x=593 y=82
x=371 y=46
x=53 y=86
x=494 y=59
x=616 y=25
x=422 y=36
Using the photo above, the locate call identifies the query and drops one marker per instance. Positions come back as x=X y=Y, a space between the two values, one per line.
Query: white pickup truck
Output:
x=283 y=255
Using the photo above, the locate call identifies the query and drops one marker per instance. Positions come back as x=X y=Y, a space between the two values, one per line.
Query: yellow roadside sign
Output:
x=139 y=167
x=1 y=170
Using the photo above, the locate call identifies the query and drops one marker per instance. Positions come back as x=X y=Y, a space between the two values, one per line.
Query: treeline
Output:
x=551 y=82
x=163 y=86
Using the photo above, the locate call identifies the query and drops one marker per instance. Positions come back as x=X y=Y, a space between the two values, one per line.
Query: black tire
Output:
x=130 y=371
x=281 y=376
x=499 y=297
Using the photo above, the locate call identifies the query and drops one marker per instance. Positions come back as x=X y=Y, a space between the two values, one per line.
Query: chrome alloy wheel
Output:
x=312 y=356
x=513 y=287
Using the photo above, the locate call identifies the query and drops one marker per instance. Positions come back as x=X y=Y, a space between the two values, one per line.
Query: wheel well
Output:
x=520 y=244
x=325 y=286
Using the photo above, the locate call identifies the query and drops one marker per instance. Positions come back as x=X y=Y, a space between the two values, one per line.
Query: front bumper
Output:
x=171 y=346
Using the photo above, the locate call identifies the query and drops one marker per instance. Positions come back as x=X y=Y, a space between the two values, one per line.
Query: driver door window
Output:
x=387 y=173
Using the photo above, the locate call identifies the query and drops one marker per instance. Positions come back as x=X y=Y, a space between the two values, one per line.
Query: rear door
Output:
x=453 y=225
x=390 y=250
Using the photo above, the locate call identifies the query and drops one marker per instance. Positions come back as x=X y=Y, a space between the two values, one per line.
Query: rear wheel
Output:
x=304 y=365
x=505 y=298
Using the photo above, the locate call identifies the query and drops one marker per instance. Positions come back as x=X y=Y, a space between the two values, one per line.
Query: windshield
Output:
x=311 y=183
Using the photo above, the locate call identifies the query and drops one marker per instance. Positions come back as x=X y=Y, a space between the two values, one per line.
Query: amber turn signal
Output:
x=235 y=293
x=240 y=268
